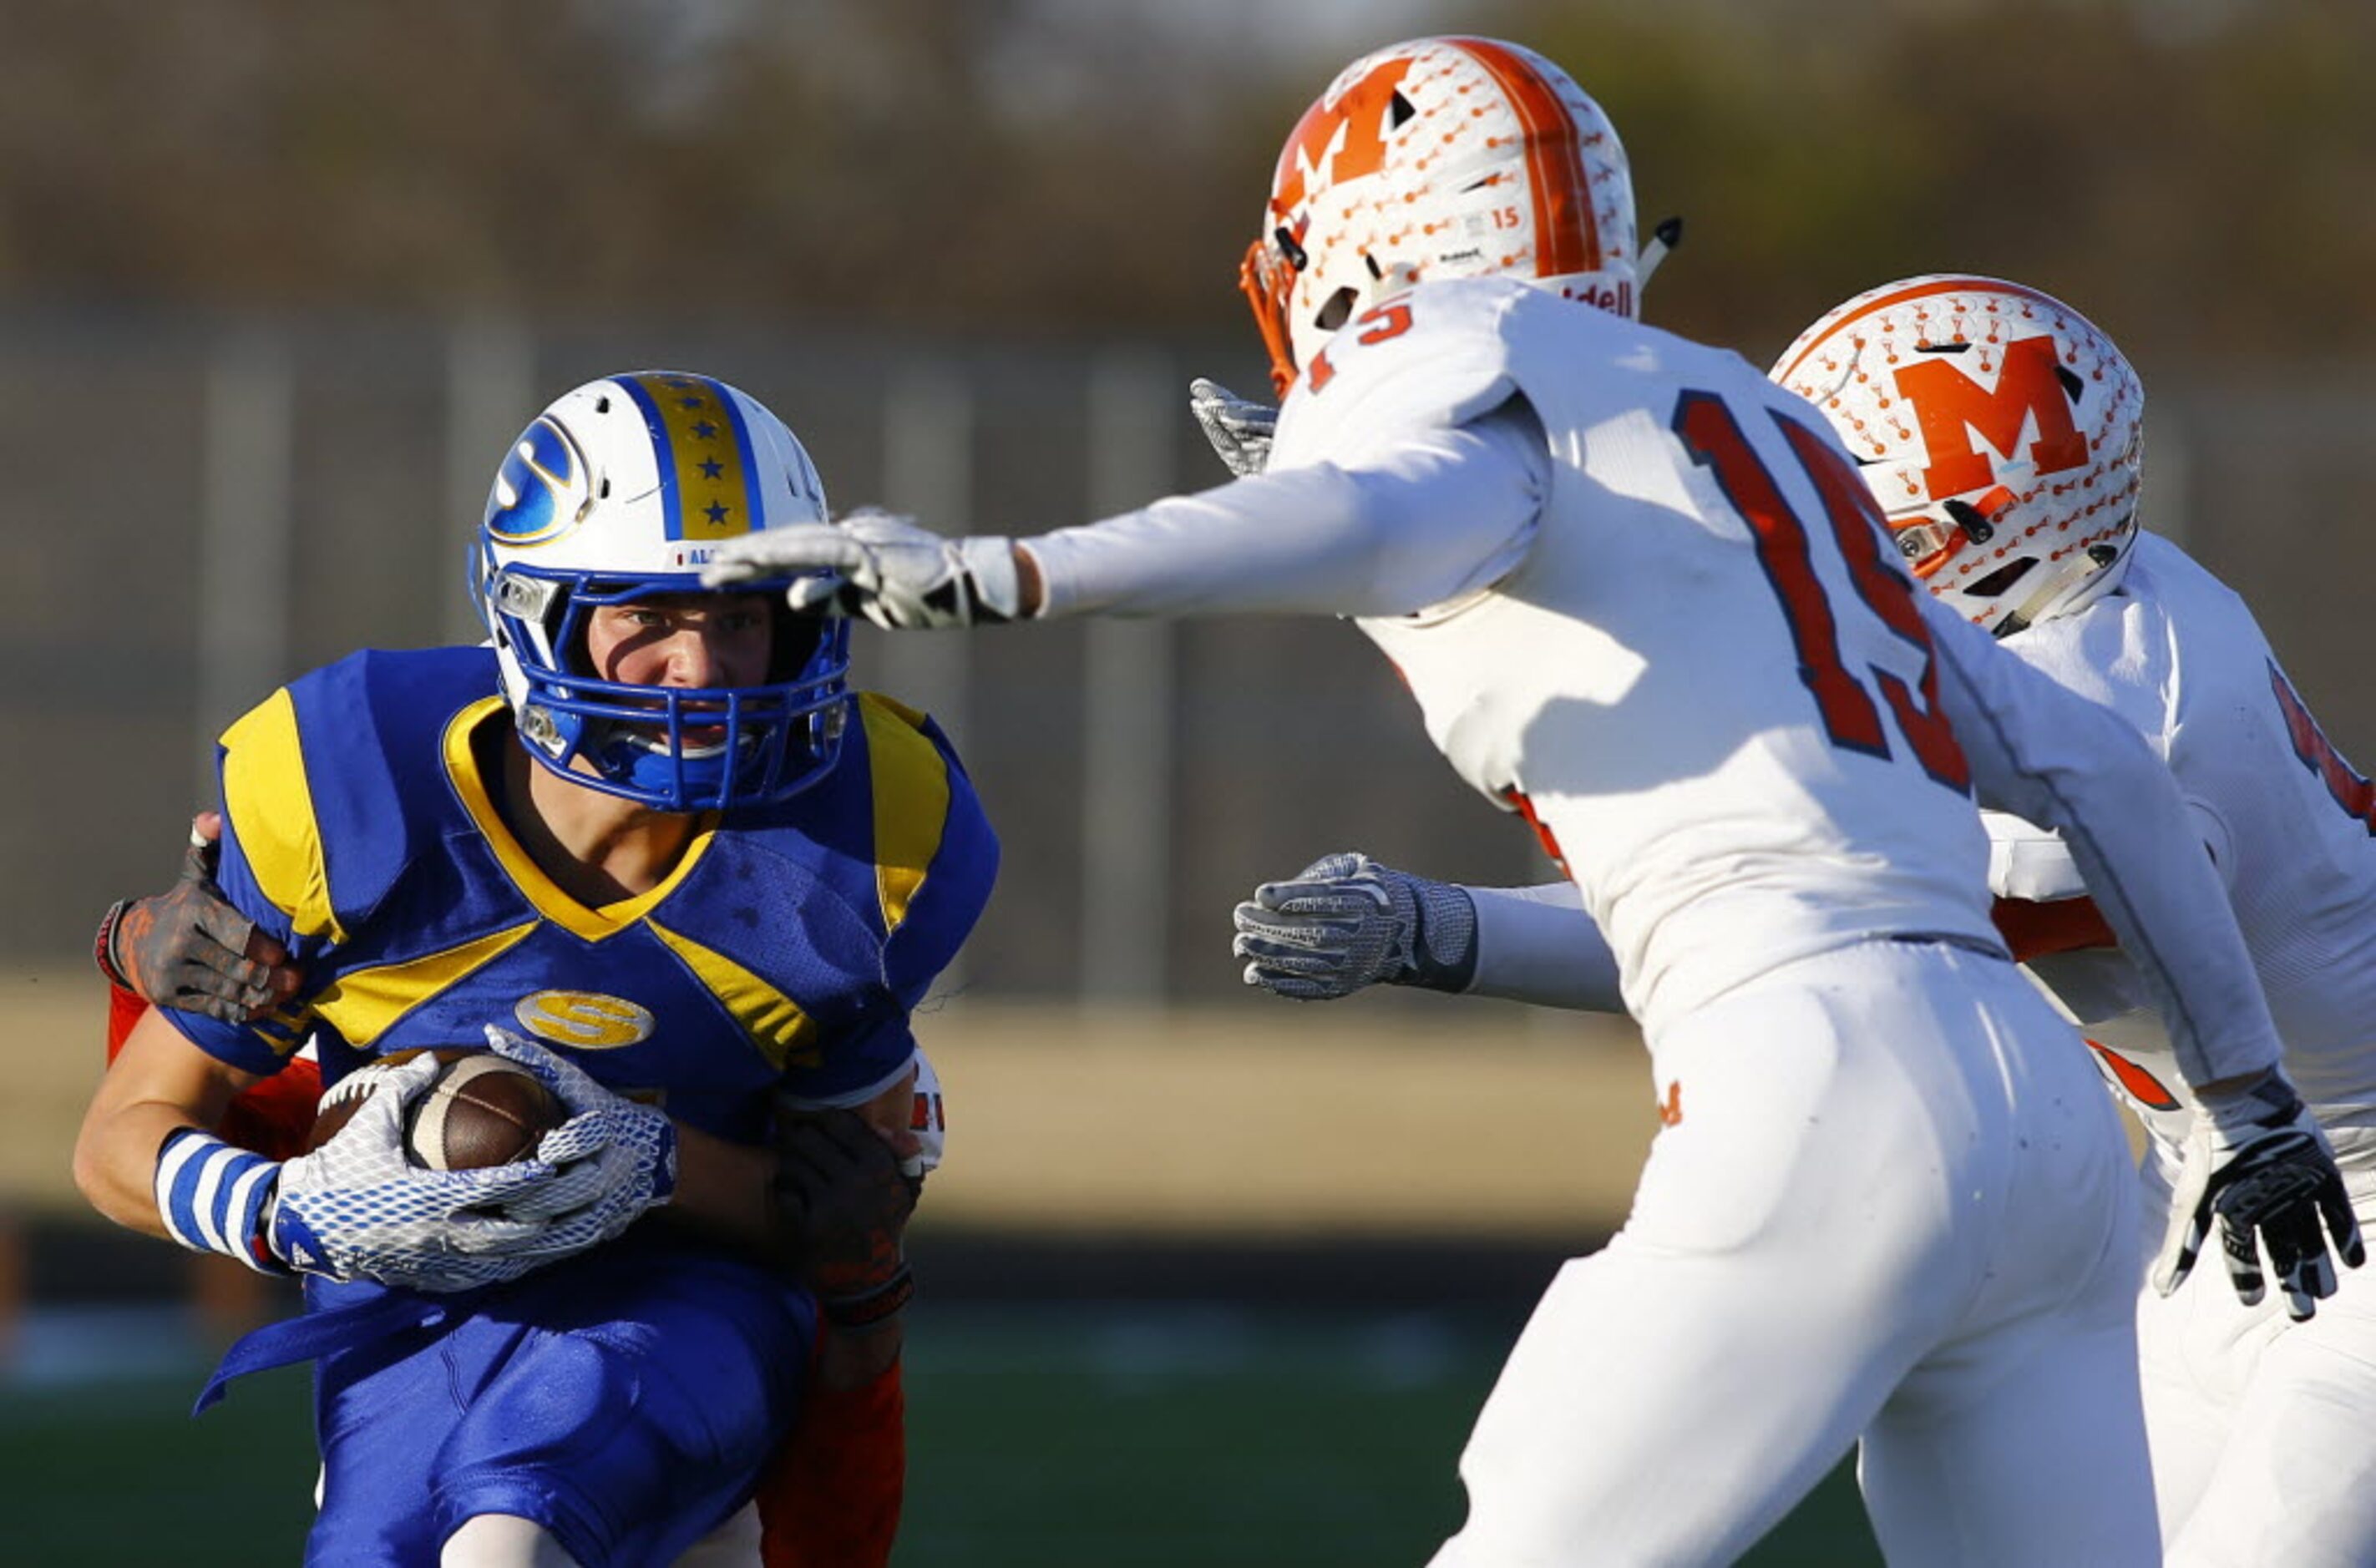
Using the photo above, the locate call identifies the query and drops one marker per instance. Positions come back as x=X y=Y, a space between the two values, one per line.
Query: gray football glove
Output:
x=1238 y=428
x=897 y=575
x=1345 y=921
x=2256 y=1160
x=188 y=948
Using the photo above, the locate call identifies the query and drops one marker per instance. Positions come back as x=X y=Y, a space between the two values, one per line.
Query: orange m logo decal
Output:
x=1951 y=405
x=1339 y=140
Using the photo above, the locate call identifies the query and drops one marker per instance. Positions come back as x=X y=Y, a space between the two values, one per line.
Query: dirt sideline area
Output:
x=1262 y=1120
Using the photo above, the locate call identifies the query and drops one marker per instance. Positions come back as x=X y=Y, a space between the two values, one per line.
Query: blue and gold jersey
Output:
x=787 y=947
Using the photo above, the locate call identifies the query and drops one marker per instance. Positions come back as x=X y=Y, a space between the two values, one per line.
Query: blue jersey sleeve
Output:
x=935 y=862
x=272 y=871
x=938 y=859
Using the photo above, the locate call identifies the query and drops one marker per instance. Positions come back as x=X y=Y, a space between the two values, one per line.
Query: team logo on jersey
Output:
x=585 y=1020
x=2033 y=391
x=541 y=490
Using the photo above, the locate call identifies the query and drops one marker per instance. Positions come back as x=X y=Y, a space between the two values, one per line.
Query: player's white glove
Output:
x=1238 y=428
x=359 y=1208
x=898 y=576
x=616 y=1159
x=1345 y=921
x=2256 y=1160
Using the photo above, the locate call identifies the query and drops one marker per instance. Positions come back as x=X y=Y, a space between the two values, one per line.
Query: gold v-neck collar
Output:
x=591 y=922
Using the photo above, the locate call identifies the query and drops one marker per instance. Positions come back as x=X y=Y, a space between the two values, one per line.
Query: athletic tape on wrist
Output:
x=103 y=947
x=874 y=1306
x=212 y=1197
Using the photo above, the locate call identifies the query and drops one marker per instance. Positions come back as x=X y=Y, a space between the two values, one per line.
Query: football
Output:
x=480 y=1110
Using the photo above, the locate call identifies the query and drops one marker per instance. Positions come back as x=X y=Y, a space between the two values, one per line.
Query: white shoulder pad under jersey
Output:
x=2179 y=656
x=1397 y=366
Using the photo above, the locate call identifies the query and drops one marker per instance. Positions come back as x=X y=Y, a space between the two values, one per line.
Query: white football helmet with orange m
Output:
x=1440 y=158
x=2001 y=432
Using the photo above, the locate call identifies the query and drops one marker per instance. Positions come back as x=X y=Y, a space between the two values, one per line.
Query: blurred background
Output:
x=1207 y=1276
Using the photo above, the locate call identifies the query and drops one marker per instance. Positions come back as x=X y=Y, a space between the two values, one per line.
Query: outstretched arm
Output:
x=1537 y=944
x=1424 y=518
x=2256 y=1162
x=1347 y=922
x=2058 y=760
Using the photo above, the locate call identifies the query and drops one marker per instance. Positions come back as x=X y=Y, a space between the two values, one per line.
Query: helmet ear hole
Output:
x=1336 y=311
x=1996 y=583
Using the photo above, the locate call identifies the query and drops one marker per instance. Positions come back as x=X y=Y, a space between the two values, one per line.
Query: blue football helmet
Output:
x=619 y=493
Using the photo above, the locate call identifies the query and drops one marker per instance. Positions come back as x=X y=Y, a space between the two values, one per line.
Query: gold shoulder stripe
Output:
x=784 y=1034
x=911 y=801
x=363 y=1005
x=271 y=808
x=546 y=895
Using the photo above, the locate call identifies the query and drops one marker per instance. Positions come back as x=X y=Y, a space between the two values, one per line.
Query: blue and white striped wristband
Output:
x=211 y=1198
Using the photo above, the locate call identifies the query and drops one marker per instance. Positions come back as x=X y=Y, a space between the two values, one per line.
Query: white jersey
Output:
x=1702 y=649
x=1641 y=594
x=2177 y=654
x=1638 y=590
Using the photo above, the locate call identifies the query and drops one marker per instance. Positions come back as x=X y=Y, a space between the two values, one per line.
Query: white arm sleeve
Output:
x=2058 y=759
x=1417 y=519
x=1536 y=944
x=2025 y=862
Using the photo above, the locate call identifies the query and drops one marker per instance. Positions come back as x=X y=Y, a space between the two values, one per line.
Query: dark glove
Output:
x=842 y=1208
x=2257 y=1164
x=188 y=948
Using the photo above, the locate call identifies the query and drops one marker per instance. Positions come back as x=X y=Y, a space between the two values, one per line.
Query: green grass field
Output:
x=1122 y=1437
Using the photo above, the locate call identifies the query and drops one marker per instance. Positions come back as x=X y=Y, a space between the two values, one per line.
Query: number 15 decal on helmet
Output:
x=2001 y=432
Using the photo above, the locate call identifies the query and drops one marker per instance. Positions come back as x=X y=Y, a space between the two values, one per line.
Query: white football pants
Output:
x=2262 y=1429
x=1895 y=1204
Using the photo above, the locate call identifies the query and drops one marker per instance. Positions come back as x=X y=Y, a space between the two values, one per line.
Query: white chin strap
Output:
x=2061 y=593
